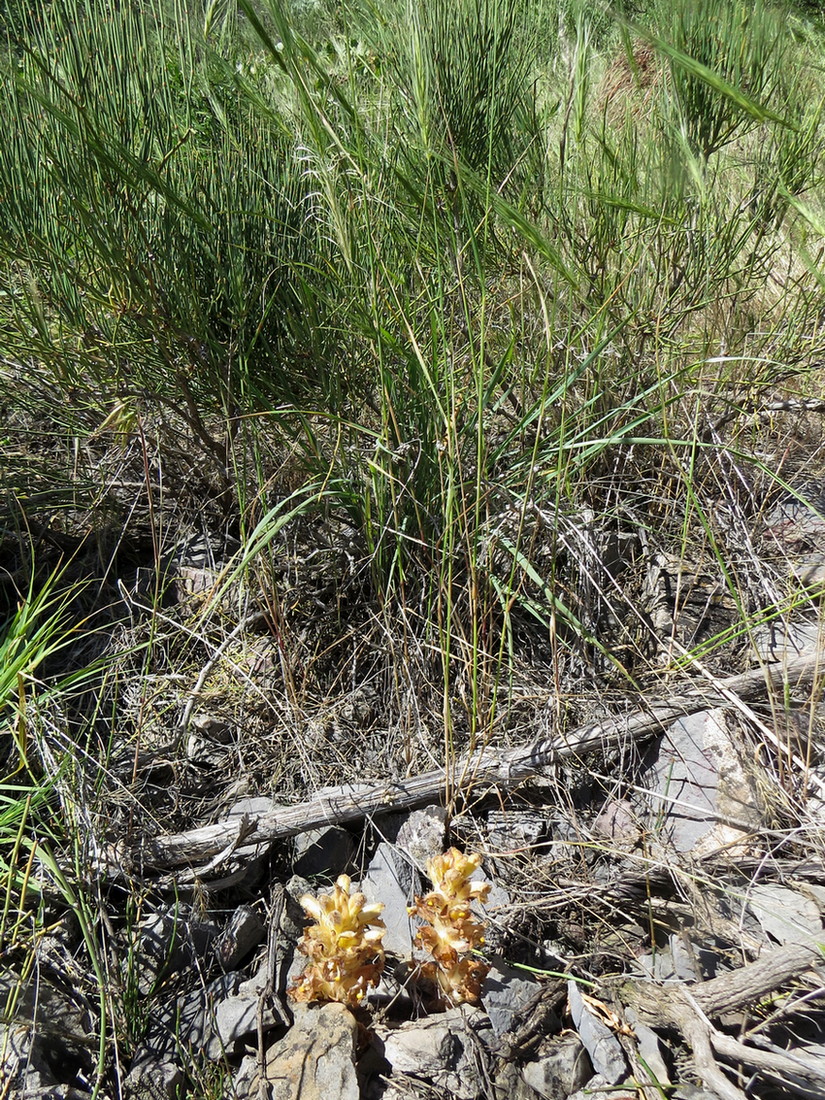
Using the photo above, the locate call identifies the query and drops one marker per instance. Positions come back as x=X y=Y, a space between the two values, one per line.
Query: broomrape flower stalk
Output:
x=451 y=932
x=344 y=946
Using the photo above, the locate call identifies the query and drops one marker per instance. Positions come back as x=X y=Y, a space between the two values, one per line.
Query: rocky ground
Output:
x=653 y=926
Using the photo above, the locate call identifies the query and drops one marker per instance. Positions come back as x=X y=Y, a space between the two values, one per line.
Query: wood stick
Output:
x=689 y=1008
x=489 y=767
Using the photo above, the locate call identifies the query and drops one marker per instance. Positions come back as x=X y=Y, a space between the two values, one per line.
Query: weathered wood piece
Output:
x=690 y=1009
x=213 y=844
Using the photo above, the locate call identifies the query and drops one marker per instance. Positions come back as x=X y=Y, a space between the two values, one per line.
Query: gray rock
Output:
x=497 y=902
x=599 y=1086
x=782 y=641
x=815 y=893
x=698 y=787
x=170 y=941
x=391 y=880
x=210 y=740
x=244 y=932
x=255 y=806
x=23 y=1062
x=188 y=1019
x=505 y=994
x=676 y=961
x=235 y=1021
x=154 y=1079
x=245 y=1080
x=693 y=1092
x=515 y=830
x=564 y=1067
x=509 y=1084
x=316 y=1058
x=51 y=1013
x=326 y=852
x=618 y=826
x=445 y=1050
x=785 y=914
x=809 y=570
x=649 y=1048
x=422 y=835
x=601 y=1044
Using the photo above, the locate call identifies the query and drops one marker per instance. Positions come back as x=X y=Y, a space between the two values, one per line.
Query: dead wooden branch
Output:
x=489 y=767
x=690 y=1010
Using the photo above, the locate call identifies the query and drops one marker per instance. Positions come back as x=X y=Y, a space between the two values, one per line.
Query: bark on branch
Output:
x=690 y=1009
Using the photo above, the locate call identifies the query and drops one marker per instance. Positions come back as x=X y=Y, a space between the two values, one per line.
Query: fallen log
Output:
x=215 y=845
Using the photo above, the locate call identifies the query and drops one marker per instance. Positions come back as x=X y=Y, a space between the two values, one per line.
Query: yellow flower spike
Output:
x=343 y=946
x=451 y=932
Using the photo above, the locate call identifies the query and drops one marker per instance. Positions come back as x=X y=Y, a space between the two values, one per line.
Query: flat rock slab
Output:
x=506 y=993
x=324 y=852
x=422 y=835
x=698 y=788
x=785 y=914
x=563 y=1068
x=443 y=1050
x=598 y=1040
x=316 y=1058
x=390 y=879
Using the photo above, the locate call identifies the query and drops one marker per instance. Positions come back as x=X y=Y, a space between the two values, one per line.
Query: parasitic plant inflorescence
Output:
x=343 y=946
x=451 y=932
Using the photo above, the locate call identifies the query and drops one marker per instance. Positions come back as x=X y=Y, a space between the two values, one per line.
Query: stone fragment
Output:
x=509 y=1084
x=601 y=1044
x=511 y=831
x=809 y=570
x=244 y=932
x=674 y=961
x=390 y=879
x=153 y=1079
x=505 y=994
x=649 y=1048
x=785 y=914
x=496 y=903
x=170 y=941
x=210 y=740
x=815 y=892
x=243 y=1085
x=698 y=786
x=617 y=826
x=783 y=641
x=563 y=1067
x=23 y=1062
x=444 y=1049
x=422 y=835
x=323 y=852
x=188 y=1019
x=315 y=1060
x=252 y=807
x=599 y=1086
x=235 y=1021
x=694 y=1092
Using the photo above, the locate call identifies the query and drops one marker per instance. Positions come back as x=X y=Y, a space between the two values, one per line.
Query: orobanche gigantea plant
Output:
x=451 y=932
x=344 y=946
